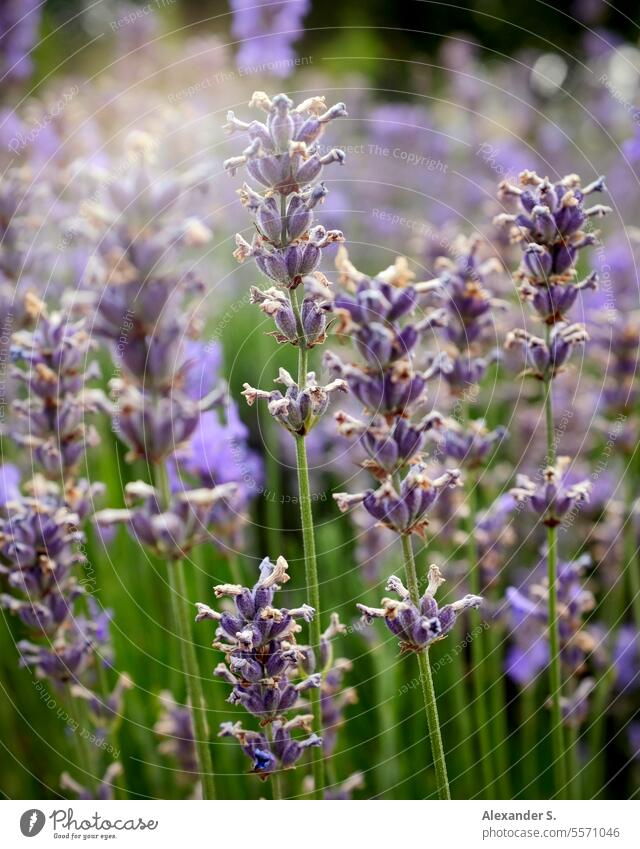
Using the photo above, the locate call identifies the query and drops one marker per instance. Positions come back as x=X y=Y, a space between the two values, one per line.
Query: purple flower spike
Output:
x=298 y=410
x=550 y=230
x=553 y=498
x=548 y=360
x=529 y=653
x=419 y=625
x=262 y=660
x=403 y=512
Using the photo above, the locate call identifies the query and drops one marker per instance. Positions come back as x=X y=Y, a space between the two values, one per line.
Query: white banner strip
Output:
x=374 y=824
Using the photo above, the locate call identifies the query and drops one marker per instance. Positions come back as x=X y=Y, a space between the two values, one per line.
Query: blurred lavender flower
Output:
x=175 y=727
x=470 y=445
x=170 y=530
x=547 y=359
x=575 y=708
x=390 y=447
x=493 y=533
x=418 y=626
x=554 y=497
x=106 y=788
x=469 y=308
x=529 y=653
x=56 y=355
x=266 y=31
x=19 y=25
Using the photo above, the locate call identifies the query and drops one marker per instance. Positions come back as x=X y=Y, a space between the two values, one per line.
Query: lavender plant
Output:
x=144 y=312
x=41 y=541
x=283 y=157
x=465 y=277
x=263 y=666
x=377 y=314
x=552 y=226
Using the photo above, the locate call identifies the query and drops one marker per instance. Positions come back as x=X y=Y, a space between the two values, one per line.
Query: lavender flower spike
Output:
x=263 y=664
x=419 y=625
x=403 y=512
x=552 y=499
x=550 y=230
x=298 y=410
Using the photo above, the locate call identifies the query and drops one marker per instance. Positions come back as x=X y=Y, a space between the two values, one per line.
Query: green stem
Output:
x=306 y=518
x=426 y=679
x=178 y=594
x=478 y=653
x=276 y=786
x=178 y=589
x=573 y=756
x=528 y=732
x=311 y=576
x=557 y=730
x=631 y=566
x=384 y=680
x=83 y=746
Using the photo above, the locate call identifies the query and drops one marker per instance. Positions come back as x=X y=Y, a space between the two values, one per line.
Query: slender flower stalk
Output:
x=552 y=227
x=418 y=624
x=284 y=159
x=426 y=681
x=471 y=307
x=378 y=314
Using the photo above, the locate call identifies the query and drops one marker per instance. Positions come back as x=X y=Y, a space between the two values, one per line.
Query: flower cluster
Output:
x=145 y=228
x=547 y=358
x=418 y=625
x=262 y=665
x=283 y=157
x=55 y=355
x=404 y=509
x=266 y=32
x=175 y=728
x=468 y=306
x=298 y=410
x=551 y=227
x=173 y=530
x=554 y=497
x=41 y=541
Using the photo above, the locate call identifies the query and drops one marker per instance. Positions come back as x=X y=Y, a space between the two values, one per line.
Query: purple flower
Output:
x=267 y=30
x=298 y=410
x=529 y=653
x=258 y=639
x=9 y=483
x=553 y=498
x=470 y=445
x=283 y=751
x=389 y=447
x=403 y=512
x=549 y=227
x=106 y=788
x=419 y=625
x=171 y=532
x=19 y=26
x=548 y=360
x=175 y=727
x=53 y=414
